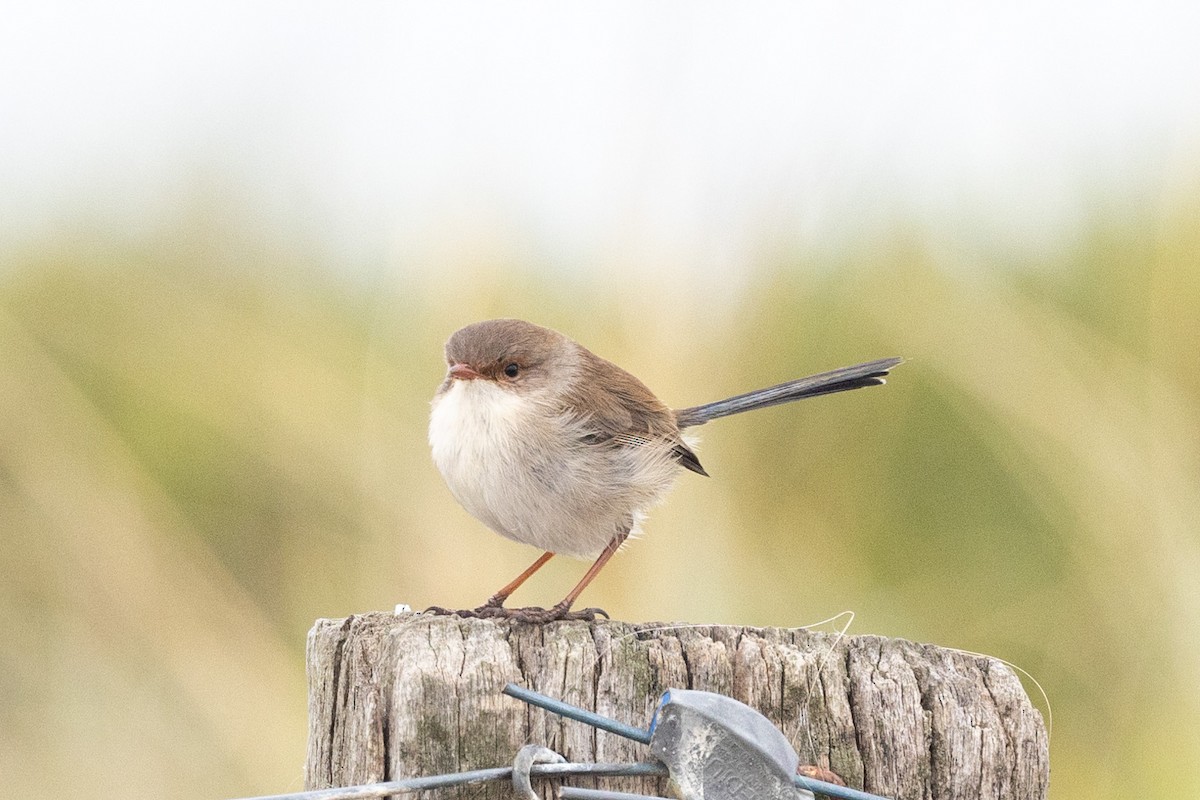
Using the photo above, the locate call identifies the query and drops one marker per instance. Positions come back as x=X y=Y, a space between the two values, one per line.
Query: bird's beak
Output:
x=463 y=373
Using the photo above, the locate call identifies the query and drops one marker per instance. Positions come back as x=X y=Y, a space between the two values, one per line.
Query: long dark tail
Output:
x=839 y=380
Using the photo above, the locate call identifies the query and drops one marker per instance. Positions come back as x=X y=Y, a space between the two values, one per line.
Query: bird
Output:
x=548 y=444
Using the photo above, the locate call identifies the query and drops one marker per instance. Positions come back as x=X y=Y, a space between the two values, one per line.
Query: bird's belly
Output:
x=528 y=476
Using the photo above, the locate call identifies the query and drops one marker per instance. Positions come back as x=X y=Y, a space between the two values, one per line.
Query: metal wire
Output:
x=575 y=793
x=833 y=790
x=638 y=735
x=643 y=769
x=809 y=784
x=576 y=713
x=527 y=756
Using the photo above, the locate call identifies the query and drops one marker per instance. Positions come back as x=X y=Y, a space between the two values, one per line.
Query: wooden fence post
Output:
x=395 y=696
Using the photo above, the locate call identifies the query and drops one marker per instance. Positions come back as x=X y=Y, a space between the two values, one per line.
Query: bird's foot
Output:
x=438 y=611
x=494 y=607
x=531 y=614
x=558 y=613
x=483 y=612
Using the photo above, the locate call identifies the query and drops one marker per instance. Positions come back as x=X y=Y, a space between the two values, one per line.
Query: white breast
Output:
x=523 y=471
x=473 y=430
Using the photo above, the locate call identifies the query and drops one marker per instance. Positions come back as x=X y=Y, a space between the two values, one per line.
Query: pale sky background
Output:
x=676 y=130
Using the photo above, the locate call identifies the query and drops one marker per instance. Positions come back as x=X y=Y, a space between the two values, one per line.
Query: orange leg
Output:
x=494 y=607
x=497 y=600
x=565 y=604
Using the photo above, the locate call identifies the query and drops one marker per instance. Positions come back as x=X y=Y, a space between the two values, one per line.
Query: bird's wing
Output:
x=624 y=413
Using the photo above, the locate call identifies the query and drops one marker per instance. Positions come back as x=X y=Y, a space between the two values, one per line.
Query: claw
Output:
x=588 y=614
x=540 y=616
x=483 y=612
x=438 y=611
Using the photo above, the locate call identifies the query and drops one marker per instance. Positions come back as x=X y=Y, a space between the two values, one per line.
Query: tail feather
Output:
x=839 y=380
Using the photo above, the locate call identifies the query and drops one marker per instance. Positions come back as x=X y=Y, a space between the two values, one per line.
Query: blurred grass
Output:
x=210 y=437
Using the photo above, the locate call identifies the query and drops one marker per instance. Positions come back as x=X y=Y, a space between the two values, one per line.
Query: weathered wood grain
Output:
x=401 y=696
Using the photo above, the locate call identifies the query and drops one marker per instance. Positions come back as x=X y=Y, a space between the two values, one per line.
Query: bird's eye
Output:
x=512 y=370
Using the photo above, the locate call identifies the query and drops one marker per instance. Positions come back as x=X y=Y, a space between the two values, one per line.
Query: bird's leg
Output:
x=563 y=610
x=497 y=600
x=494 y=607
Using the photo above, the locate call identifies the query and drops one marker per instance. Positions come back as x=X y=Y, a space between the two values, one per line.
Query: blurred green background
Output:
x=213 y=410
